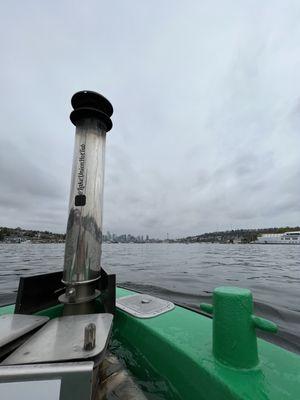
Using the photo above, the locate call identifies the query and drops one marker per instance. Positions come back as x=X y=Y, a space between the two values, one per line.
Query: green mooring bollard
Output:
x=234 y=336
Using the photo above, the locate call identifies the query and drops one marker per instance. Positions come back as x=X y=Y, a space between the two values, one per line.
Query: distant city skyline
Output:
x=127 y=238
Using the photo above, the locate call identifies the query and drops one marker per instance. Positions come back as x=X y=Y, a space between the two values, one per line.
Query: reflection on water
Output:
x=183 y=273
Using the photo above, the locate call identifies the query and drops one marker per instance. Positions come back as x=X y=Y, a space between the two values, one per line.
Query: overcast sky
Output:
x=206 y=96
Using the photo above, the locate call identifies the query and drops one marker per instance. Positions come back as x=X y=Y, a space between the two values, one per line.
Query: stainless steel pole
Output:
x=91 y=116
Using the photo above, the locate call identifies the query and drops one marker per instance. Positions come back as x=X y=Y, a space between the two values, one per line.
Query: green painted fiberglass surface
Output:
x=51 y=312
x=176 y=347
x=7 y=309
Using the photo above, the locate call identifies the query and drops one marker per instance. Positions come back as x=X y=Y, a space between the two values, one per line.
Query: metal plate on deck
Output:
x=13 y=326
x=62 y=381
x=144 y=305
x=62 y=339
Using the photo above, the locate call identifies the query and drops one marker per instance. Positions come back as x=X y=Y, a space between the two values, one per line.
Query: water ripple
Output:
x=182 y=273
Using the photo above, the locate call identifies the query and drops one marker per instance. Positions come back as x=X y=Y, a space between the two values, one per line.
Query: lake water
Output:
x=184 y=273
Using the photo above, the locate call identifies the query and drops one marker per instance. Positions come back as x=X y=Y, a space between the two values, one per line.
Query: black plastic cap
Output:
x=88 y=104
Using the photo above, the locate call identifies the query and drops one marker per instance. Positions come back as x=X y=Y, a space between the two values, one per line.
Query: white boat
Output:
x=279 y=238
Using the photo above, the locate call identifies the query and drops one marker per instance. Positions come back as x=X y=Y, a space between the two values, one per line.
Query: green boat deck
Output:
x=178 y=347
x=178 y=344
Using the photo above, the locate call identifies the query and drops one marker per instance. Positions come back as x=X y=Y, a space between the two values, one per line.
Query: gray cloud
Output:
x=206 y=122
